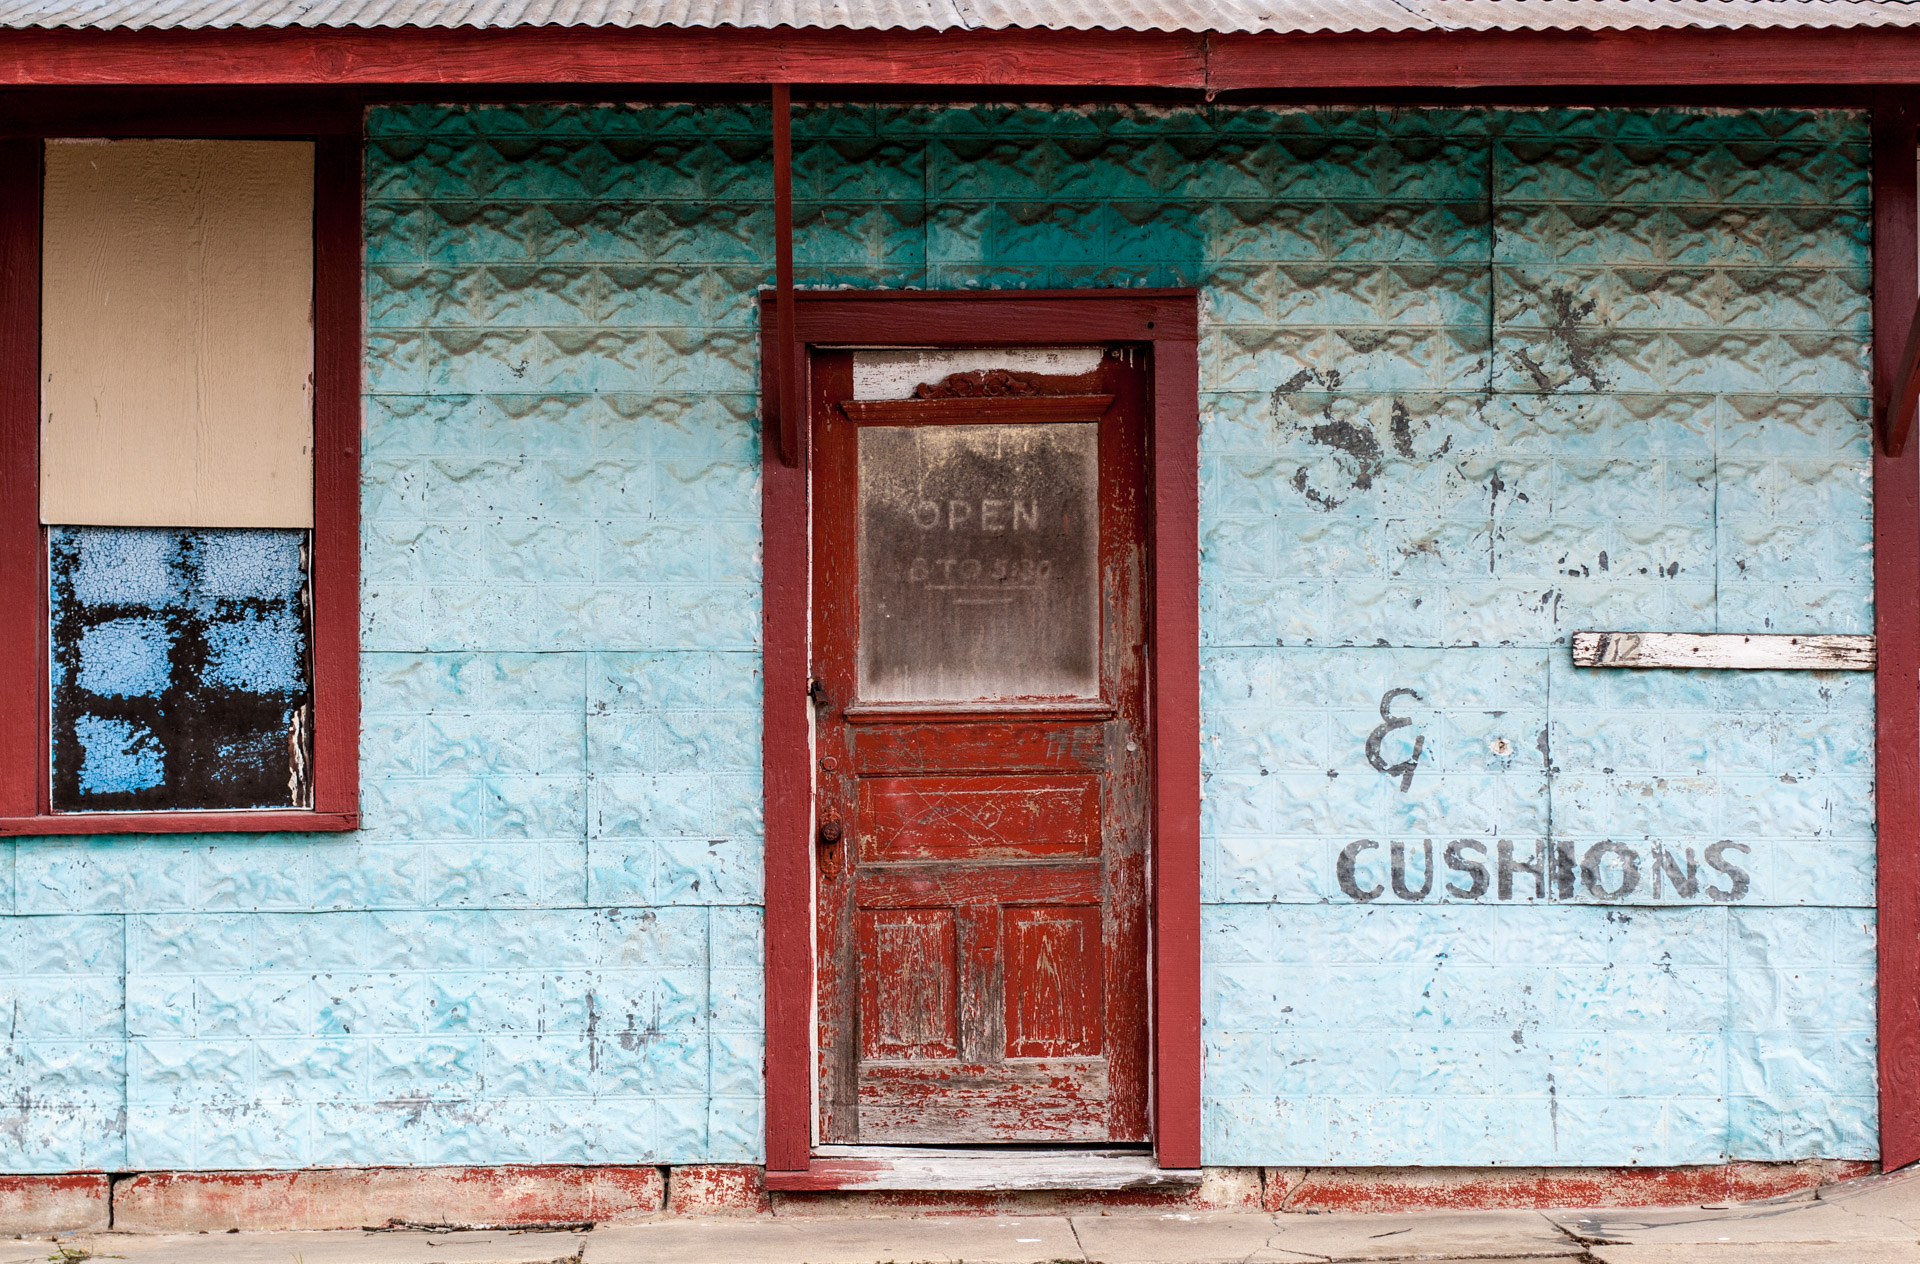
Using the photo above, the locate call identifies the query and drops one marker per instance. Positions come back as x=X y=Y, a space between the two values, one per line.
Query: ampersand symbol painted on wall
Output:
x=1406 y=767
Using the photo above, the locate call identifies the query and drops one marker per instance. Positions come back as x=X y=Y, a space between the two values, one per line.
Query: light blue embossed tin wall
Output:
x=1592 y=370
x=1472 y=380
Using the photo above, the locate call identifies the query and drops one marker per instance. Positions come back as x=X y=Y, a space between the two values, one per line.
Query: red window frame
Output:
x=1168 y=320
x=24 y=757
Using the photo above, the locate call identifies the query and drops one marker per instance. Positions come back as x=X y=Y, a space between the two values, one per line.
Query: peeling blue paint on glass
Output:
x=261 y=565
x=124 y=658
x=117 y=756
x=259 y=652
x=178 y=668
x=125 y=568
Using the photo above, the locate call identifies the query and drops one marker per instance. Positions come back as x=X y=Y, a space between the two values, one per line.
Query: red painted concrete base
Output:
x=522 y=1197
x=717 y=1189
x=54 y=1204
x=348 y=1198
x=1422 y=1189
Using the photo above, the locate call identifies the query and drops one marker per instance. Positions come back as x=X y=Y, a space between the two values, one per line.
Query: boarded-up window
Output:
x=176 y=472
x=176 y=339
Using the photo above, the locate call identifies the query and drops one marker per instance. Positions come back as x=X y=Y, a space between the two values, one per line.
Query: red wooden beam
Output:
x=786 y=398
x=337 y=343
x=23 y=674
x=1474 y=59
x=961 y=59
x=598 y=55
x=1176 y=700
x=1896 y=409
x=176 y=112
x=941 y=317
x=269 y=821
x=786 y=772
x=1896 y=582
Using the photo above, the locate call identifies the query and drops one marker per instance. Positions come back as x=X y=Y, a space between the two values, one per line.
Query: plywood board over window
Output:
x=177 y=334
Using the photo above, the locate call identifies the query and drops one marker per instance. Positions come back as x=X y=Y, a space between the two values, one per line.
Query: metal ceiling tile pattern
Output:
x=1275 y=16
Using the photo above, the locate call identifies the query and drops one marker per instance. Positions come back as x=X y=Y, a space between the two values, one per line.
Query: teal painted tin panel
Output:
x=1471 y=380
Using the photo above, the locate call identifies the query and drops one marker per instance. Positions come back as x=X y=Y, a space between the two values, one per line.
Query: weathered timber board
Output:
x=1727 y=651
x=933 y=1102
x=911 y=1168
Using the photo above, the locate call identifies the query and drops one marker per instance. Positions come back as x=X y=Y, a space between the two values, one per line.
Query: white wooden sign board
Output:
x=1728 y=651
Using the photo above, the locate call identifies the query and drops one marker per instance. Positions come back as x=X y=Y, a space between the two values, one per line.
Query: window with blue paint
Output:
x=179 y=672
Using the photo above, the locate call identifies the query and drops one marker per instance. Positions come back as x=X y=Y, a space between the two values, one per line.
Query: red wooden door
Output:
x=984 y=756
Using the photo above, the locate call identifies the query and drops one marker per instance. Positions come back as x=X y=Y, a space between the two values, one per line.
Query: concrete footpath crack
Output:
x=397 y=1225
x=1269 y=1245
x=1585 y=1243
x=1074 y=1229
x=1841 y=1205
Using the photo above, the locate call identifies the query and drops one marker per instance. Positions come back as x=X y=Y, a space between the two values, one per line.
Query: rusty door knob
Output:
x=831 y=829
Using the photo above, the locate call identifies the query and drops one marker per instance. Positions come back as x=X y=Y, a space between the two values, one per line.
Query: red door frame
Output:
x=335 y=131
x=1168 y=320
x=1896 y=584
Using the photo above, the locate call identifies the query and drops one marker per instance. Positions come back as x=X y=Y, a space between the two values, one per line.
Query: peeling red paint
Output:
x=347 y=1198
x=185 y=1202
x=717 y=1189
x=1165 y=320
x=983 y=946
x=54 y=1204
x=1770 y=1180
x=1224 y=1189
x=1463 y=1189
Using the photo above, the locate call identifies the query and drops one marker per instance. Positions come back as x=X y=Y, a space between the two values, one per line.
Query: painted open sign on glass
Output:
x=979 y=556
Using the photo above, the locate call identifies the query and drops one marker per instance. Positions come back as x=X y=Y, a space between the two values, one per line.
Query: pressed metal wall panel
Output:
x=1611 y=918
x=1472 y=380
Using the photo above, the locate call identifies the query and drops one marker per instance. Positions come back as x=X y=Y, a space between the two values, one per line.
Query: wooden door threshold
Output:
x=986 y=1168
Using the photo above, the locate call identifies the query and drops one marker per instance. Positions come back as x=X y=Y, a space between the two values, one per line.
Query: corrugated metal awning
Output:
x=1277 y=16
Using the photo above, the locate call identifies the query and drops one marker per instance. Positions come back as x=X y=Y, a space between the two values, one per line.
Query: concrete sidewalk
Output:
x=1870 y=1221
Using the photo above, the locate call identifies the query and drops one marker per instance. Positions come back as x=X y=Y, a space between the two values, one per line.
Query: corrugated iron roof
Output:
x=1287 y=16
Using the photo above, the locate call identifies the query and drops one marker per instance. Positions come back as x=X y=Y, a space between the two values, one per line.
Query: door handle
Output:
x=832 y=830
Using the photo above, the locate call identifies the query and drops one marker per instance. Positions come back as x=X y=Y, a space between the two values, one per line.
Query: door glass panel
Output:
x=979 y=550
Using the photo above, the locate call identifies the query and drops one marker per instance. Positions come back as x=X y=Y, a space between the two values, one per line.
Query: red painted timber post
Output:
x=785 y=369
x=22 y=559
x=786 y=757
x=336 y=476
x=1176 y=696
x=1896 y=565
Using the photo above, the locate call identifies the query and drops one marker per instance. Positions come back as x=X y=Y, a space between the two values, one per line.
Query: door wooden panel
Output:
x=907 y=993
x=932 y=1103
x=1029 y=746
x=984 y=760
x=962 y=818
x=1053 y=964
